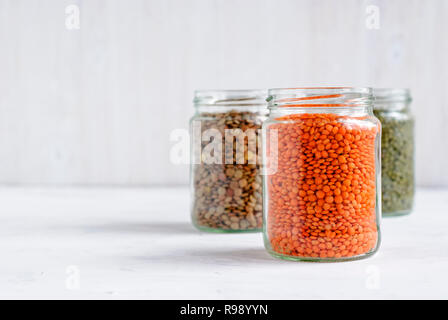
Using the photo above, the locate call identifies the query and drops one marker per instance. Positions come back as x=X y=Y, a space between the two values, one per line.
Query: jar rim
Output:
x=231 y=98
x=327 y=97
x=385 y=95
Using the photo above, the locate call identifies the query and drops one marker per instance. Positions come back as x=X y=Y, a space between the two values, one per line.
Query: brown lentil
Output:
x=228 y=197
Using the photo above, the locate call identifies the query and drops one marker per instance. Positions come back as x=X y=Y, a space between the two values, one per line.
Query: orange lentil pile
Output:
x=322 y=198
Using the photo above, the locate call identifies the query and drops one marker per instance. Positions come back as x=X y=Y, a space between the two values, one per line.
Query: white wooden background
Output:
x=97 y=105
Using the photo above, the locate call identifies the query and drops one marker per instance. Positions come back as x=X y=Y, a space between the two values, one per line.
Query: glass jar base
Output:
x=218 y=230
x=312 y=259
x=396 y=213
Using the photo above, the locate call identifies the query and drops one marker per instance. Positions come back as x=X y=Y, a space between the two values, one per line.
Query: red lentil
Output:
x=322 y=199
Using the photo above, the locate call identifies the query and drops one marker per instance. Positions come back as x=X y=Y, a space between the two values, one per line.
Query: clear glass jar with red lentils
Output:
x=322 y=185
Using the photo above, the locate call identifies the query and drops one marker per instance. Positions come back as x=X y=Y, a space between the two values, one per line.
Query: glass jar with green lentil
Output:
x=392 y=108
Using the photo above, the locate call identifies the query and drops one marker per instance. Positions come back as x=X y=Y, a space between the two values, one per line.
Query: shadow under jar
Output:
x=226 y=179
x=391 y=107
x=321 y=179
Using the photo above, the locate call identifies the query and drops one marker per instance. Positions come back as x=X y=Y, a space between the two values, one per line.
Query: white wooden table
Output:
x=138 y=243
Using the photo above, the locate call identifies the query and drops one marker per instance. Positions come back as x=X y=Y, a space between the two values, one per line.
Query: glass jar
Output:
x=225 y=179
x=391 y=107
x=322 y=174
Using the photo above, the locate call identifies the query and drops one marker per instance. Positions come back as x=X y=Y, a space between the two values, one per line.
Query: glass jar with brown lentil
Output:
x=226 y=181
x=391 y=107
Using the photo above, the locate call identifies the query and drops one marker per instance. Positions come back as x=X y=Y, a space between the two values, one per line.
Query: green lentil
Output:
x=397 y=162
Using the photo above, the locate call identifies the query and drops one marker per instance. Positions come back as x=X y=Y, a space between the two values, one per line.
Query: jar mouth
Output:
x=387 y=95
x=231 y=98
x=324 y=97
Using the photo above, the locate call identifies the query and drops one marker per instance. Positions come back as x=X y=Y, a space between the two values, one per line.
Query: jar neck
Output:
x=341 y=111
x=392 y=106
x=346 y=101
x=387 y=99
x=227 y=109
x=218 y=101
